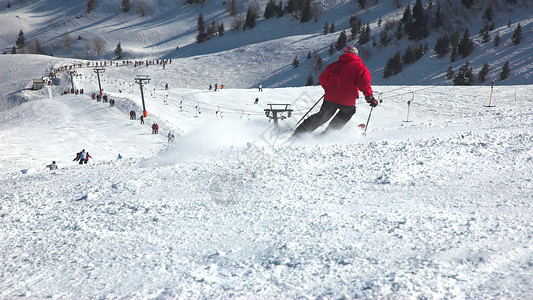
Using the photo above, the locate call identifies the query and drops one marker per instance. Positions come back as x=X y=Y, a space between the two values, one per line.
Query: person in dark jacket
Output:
x=342 y=81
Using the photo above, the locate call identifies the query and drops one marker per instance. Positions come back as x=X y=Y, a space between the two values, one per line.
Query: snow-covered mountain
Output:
x=169 y=28
x=437 y=207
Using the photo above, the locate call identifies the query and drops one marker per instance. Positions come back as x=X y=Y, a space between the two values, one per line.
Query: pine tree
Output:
x=355 y=26
x=464 y=75
x=466 y=45
x=309 y=55
x=279 y=9
x=439 y=21
x=326 y=28
x=442 y=46
x=406 y=18
x=506 y=70
x=310 y=81
x=398 y=34
x=453 y=55
x=250 y=18
x=212 y=30
x=362 y=3
x=331 y=49
x=497 y=39
x=8 y=4
x=221 y=29
x=270 y=9
x=417 y=28
x=307 y=12
x=364 y=37
x=409 y=56
x=393 y=65
x=295 y=62
x=485 y=36
x=487 y=15
x=454 y=41
x=517 y=35
x=126 y=5
x=291 y=6
x=90 y=5
x=21 y=40
x=202 y=35
x=449 y=73
x=482 y=75
x=383 y=38
x=118 y=51
x=341 y=41
x=14 y=50
x=332 y=28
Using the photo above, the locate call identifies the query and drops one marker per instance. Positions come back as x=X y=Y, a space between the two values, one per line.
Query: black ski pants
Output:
x=327 y=110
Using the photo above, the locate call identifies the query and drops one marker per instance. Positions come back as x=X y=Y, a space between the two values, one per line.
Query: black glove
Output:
x=372 y=101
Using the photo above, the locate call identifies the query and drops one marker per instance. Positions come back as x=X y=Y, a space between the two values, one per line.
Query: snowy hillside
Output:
x=169 y=28
x=437 y=207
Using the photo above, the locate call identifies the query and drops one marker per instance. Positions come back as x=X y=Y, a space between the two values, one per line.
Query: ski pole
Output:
x=368 y=120
x=371 y=109
x=309 y=111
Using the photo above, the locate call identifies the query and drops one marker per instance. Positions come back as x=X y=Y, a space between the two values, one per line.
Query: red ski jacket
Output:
x=343 y=79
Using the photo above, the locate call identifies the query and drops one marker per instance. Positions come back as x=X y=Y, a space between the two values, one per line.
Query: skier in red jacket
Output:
x=342 y=81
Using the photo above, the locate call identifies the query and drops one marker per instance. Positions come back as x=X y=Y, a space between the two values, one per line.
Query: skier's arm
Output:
x=363 y=82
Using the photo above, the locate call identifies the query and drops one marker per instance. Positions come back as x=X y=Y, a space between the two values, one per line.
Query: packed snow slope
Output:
x=439 y=207
x=265 y=53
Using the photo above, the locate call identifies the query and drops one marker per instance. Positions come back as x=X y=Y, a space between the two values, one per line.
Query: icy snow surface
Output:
x=440 y=207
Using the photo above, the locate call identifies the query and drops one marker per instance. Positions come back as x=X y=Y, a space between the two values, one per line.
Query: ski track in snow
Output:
x=437 y=208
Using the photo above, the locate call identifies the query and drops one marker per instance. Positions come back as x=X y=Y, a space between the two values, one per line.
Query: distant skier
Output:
x=342 y=81
x=142 y=119
x=216 y=86
x=256 y=100
x=119 y=156
x=170 y=136
x=87 y=158
x=166 y=86
x=52 y=166
x=260 y=88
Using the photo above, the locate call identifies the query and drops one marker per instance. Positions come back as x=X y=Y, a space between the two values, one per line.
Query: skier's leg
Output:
x=327 y=110
x=341 y=118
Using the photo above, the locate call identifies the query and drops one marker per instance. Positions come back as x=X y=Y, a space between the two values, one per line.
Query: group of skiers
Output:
x=342 y=80
x=73 y=91
x=82 y=157
x=112 y=63
x=103 y=98
x=155 y=128
x=216 y=87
